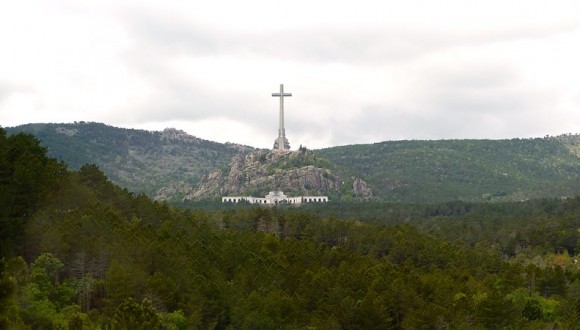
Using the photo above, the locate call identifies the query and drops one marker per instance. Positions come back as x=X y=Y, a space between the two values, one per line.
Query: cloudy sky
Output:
x=359 y=71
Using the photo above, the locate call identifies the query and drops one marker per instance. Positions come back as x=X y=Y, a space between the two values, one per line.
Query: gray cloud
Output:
x=446 y=99
x=341 y=45
x=491 y=91
x=479 y=76
x=451 y=102
x=4 y=92
x=8 y=88
x=177 y=96
x=190 y=103
x=161 y=35
x=165 y=35
x=449 y=121
x=485 y=102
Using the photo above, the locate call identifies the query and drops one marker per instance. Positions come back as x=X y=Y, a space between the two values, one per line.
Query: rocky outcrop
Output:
x=173 y=191
x=172 y=134
x=361 y=188
x=571 y=142
x=294 y=172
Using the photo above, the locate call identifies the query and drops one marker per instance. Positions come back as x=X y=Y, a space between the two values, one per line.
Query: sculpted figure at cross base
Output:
x=281 y=142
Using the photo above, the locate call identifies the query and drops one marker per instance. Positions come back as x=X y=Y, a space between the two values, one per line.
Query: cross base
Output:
x=285 y=143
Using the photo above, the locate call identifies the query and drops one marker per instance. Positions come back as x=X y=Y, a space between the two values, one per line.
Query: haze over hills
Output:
x=171 y=165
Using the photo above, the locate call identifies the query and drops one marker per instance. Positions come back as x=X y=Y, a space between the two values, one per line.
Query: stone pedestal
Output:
x=281 y=141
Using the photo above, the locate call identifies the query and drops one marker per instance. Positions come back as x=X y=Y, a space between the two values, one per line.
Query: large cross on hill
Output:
x=281 y=142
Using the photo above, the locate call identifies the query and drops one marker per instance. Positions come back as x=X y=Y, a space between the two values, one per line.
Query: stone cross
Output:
x=281 y=142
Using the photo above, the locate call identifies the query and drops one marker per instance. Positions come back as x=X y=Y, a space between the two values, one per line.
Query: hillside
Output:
x=172 y=165
x=141 y=161
x=473 y=170
x=78 y=252
x=297 y=173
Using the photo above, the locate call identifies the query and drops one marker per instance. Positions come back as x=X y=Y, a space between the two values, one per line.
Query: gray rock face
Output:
x=361 y=188
x=173 y=190
x=296 y=173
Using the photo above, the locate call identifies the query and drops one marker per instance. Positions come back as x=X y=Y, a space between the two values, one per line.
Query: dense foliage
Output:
x=396 y=171
x=138 y=160
x=88 y=254
x=26 y=176
x=471 y=170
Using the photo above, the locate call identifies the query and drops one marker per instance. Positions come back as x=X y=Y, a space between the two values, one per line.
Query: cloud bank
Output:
x=359 y=74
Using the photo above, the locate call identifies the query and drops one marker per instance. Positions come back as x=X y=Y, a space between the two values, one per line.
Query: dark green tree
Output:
x=532 y=310
x=132 y=315
x=26 y=177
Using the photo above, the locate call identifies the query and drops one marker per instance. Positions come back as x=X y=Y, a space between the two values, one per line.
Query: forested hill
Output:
x=77 y=252
x=473 y=170
x=139 y=160
x=167 y=165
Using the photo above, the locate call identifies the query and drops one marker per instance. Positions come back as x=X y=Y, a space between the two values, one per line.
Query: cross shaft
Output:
x=281 y=131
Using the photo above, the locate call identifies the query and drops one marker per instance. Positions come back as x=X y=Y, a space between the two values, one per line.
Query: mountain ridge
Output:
x=171 y=165
x=139 y=160
x=475 y=170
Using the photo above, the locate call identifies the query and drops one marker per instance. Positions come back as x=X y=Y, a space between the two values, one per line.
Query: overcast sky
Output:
x=359 y=71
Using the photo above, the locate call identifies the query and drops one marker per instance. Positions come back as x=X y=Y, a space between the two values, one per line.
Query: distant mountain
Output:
x=474 y=170
x=172 y=165
x=139 y=160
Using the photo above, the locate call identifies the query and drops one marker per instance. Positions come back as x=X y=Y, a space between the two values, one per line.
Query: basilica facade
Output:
x=275 y=198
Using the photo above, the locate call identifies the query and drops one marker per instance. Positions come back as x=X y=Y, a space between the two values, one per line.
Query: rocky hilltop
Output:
x=296 y=173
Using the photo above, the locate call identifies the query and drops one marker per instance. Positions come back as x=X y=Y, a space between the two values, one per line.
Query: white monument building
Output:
x=274 y=198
